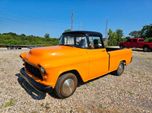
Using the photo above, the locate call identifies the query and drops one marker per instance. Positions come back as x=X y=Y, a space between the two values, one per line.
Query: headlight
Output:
x=42 y=70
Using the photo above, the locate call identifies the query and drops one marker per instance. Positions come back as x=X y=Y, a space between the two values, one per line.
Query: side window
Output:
x=128 y=40
x=95 y=42
x=134 y=40
x=141 y=40
x=68 y=40
x=81 y=42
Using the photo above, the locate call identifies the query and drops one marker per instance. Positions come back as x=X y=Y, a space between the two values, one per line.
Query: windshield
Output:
x=74 y=40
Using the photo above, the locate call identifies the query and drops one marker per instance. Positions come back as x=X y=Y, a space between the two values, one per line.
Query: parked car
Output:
x=137 y=43
x=80 y=57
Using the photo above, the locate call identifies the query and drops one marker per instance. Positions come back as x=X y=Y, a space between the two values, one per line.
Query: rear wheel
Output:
x=66 y=85
x=121 y=46
x=120 y=69
x=146 y=49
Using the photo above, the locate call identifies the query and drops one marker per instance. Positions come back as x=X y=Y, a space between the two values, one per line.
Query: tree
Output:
x=119 y=33
x=135 y=34
x=146 y=31
x=115 y=37
x=11 y=33
x=23 y=35
x=67 y=30
x=111 y=38
x=46 y=35
x=15 y=39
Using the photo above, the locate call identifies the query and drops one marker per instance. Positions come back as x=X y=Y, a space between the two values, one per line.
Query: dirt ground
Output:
x=129 y=93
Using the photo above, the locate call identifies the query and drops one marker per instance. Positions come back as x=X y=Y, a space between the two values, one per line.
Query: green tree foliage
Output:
x=135 y=34
x=115 y=37
x=67 y=30
x=146 y=31
x=15 y=39
x=148 y=39
x=47 y=35
x=119 y=33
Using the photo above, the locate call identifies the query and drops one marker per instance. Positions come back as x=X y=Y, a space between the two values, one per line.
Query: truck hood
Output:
x=54 y=51
x=44 y=55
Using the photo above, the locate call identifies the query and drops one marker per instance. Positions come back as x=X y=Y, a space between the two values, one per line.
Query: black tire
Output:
x=120 y=69
x=146 y=49
x=66 y=85
x=121 y=46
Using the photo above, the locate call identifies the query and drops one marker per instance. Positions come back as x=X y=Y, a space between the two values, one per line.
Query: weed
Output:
x=8 y=103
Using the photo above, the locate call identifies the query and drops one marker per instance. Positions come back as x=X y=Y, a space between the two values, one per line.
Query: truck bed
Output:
x=112 y=49
x=116 y=55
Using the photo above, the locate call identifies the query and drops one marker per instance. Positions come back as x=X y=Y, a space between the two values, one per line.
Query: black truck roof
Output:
x=84 y=32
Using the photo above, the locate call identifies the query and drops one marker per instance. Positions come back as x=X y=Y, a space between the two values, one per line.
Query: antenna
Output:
x=106 y=29
x=72 y=21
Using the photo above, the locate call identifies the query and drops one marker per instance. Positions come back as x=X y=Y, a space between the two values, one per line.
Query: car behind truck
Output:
x=137 y=43
x=80 y=56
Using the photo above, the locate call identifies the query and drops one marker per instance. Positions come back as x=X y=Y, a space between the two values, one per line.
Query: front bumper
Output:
x=32 y=82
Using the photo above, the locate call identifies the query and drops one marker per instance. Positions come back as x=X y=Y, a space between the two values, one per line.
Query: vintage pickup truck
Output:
x=137 y=43
x=79 y=57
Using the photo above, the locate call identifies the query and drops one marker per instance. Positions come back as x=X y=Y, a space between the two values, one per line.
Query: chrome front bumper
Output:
x=33 y=83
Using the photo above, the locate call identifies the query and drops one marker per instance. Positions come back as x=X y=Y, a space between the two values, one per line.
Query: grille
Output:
x=33 y=70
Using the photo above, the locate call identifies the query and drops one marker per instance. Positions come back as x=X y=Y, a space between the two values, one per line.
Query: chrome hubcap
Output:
x=145 y=49
x=68 y=87
x=120 y=70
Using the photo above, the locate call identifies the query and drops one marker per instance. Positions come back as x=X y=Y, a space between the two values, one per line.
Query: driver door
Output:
x=99 y=58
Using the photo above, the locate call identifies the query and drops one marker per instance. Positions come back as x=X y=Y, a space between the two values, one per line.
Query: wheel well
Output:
x=145 y=46
x=121 y=44
x=124 y=61
x=76 y=73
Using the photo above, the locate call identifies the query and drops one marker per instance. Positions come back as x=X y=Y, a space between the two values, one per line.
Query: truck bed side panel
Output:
x=117 y=56
x=142 y=44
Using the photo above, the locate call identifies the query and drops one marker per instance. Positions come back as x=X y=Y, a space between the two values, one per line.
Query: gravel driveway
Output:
x=129 y=93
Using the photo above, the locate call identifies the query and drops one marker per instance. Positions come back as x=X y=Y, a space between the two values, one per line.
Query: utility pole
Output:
x=106 y=29
x=72 y=21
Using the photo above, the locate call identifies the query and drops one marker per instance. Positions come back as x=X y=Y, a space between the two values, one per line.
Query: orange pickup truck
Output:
x=80 y=56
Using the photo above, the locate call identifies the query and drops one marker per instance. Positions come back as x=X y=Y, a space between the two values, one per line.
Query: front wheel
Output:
x=66 y=85
x=120 y=69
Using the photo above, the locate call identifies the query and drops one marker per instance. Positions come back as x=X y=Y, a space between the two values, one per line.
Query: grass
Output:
x=91 y=84
x=8 y=103
x=34 y=112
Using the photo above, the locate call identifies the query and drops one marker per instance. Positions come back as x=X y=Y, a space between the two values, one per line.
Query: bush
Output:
x=148 y=39
x=15 y=39
x=115 y=37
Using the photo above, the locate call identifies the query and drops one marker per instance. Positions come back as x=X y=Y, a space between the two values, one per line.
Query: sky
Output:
x=37 y=17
